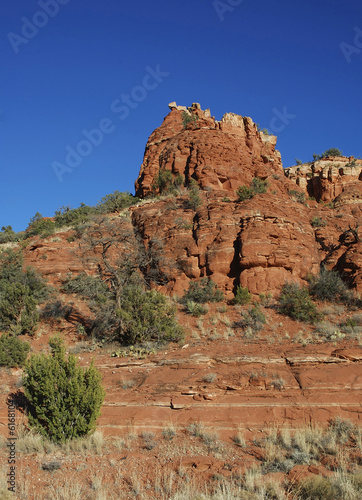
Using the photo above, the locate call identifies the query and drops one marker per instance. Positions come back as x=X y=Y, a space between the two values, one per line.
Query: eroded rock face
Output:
x=219 y=155
x=329 y=178
x=260 y=243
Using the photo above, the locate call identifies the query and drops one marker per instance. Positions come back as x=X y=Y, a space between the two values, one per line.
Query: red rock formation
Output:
x=219 y=155
x=327 y=178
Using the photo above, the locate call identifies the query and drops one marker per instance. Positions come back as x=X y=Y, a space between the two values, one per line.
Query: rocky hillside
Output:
x=214 y=202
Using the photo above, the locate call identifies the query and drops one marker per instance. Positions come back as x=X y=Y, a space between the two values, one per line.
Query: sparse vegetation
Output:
x=187 y=118
x=297 y=196
x=328 y=285
x=202 y=291
x=39 y=225
x=252 y=320
x=257 y=186
x=7 y=235
x=328 y=152
x=318 y=222
x=195 y=309
x=194 y=200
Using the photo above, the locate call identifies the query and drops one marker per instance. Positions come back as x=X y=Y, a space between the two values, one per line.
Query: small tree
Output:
x=64 y=399
x=20 y=292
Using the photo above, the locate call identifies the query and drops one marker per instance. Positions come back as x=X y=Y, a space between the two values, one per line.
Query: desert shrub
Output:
x=317 y=222
x=7 y=235
x=295 y=302
x=13 y=351
x=341 y=429
x=242 y=295
x=351 y=163
x=188 y=118
x=149 y=440
x=257 y=186
x=328 y=152
x=202 y=291
x=91 y=287
x=64 y=399
x=116 y=201
x=317 y=488
x=20 y=292
x=67 y=216
x=40 y=225
x=146 y=315
x=194 y=199
x=139 y=316
x=195 y=309
x=164 y=183
x=253 y=319
x=328 y=285
x=297 y=196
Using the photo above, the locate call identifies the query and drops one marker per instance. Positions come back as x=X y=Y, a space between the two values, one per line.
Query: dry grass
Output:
x=70 y=490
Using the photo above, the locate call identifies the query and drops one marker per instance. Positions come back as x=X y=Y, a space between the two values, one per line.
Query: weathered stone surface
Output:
x=218 y=155
x=329 y=178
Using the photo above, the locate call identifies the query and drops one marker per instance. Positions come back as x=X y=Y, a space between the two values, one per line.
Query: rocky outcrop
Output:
x=219 y=155
x=259 y=243
x=329 y=179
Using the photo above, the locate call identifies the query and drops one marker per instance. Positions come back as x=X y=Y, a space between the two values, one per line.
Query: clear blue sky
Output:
x=68 y=75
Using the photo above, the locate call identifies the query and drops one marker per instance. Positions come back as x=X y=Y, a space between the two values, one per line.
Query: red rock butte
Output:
x=261 y=242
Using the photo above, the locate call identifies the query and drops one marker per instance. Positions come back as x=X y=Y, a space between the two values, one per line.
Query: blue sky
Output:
x=68 y=64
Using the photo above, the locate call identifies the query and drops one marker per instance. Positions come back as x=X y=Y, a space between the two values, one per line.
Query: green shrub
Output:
x=318 y=222
x=67 y=216
x=188 y=118
x=202 y=291
x=195 y=309
x=242 y=295
x=20 y=292
x=328 y=285
x=146 y=315
x=166 y=184
x=351 y=163
x=39 y=225
x=194 y=199
x=257 y=186
x=116 y=201
x=13 y=351
x=254 y=318
x=7 y=235
x=297 y=196
x=328 y=152
x=137 y=316
x=295 y=302
x=64 y=399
